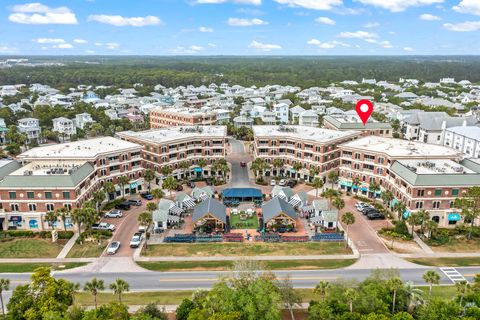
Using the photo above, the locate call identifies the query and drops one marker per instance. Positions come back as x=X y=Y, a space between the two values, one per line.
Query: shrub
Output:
x=401 y=228
x=20 y=233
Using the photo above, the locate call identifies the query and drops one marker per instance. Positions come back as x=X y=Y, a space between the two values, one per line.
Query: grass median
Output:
x=447 y=262
x=29 y=248
x=226 y=265
x=246 y=249
x=87 y=250
x=30 y=267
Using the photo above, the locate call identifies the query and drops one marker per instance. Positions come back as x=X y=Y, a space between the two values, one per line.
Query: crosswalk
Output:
x=453 y=274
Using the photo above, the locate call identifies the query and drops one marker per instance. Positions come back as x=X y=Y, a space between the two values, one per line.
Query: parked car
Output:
x=292 y=183
x=113 y=247
x=142 y=229
x=375 y=216
x=123 y=206
x=146 y=195
x=136 y=240
x=368 y=211
x=179 y=187
x=103 y=226
x=282 y=182
x=114 y=214
x=273 y=183
x=191 y=184
x=135 y=202
x=209 y=182
x=243 y=164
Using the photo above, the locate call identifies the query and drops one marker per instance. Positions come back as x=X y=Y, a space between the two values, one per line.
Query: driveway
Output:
x=239 y=174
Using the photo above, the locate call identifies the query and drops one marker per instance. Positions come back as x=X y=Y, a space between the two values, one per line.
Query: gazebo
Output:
x=279 y=214
x=210 y=216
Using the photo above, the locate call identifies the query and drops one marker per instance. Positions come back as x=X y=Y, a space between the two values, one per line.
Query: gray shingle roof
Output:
x=210 y=206
x=276 y=206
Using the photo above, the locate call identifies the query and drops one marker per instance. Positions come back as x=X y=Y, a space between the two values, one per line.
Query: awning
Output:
x=204 y=197
x=189 y=203
x=295 y=202
x=171 y=218
x=15 y=219
x=176 y=210
x=308 y=209
x=242 y=193
x=316 y=220
x=454 y=217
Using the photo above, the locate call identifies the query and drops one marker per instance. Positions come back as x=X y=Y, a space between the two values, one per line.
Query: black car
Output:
x=123 y=206
x=367 y=210
x=376 y=216
x=179 y=187
x=292 y=183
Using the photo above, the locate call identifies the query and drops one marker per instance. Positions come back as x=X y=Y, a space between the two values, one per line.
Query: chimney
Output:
x=444 y=124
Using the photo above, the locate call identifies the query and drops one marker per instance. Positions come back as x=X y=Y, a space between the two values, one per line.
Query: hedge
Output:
x=32 y=234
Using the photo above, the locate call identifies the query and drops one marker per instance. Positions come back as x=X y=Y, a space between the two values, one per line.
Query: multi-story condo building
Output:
x=64 y=175
x=349 y=122
x=175 y=146
x=464 y=138
x=312 y=148
x=422 y=176
x=160 y=118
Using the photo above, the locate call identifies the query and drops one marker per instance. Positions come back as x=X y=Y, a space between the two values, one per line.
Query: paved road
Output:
x=239 y=174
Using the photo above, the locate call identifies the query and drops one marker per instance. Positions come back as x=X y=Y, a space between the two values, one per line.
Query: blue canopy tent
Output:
x=242 y=194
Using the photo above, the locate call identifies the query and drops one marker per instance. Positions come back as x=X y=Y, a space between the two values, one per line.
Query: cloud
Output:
x=37 y=13
x=312 y=4
x=80 y=41
x=408 y=49
x=429 y=17
x=398 y=5
x=326 y=45
x=7 y=49
x=120 y=21
x=252 y=2
x=112 y=45
x=193 y=49
x=205 y=29
x=386 y=44
x=359 y=35
x=370 y=25
x=466 y=26
x=468 y=6
x=63 y=46
x=89 y=51
x=325 y=20
x=212 y=45
x=49 y=40
x=196 y=48
x=263 y=46
x=239 y=22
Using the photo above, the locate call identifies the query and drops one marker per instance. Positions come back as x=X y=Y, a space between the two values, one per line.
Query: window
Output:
x=48 y=195
x=12 y=194
x=32 y=207
x=455 y=192
x=436 y=204
x=419 y=205
x=14 y=206
x=452 y=222
x=30 y=195
x=420 y=193
x=66 y=195
x=68 y=206
x=50 y=207
x=438 y=192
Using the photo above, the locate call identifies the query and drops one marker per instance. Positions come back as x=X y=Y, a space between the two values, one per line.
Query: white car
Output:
x=114 y=214
x=104 y=226
x=113 y=247
x=282 y=182
x=273 y=183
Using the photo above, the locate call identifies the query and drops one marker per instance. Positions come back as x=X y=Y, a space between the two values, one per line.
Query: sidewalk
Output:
x=257 y=258
x=68 y=246
x=422 y=244
x=440 y=255
x=45 y=260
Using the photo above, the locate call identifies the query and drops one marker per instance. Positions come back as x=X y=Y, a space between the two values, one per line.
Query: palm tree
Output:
x=94 y=286
x=149 y=176
x=333 y=177
x=297 y=167
x=78 y=217
x=330 y=194
x=463 y=287
x=278 y=164
x=145 y=219
x=414 y=296
x=431 y=277
x=123 y=181
x=356 y=183
x=476 y=281
x=350 y=294
x=373 y=188
x=98 y=198
x=348 y=218
x=157 y=194
x=313 y=172
x=184 y=165
x=423 y=217
x=387 y=197
x=317 y=184
x=414 y=220
x=120 y=286
x=151 y=206
x=394 y=284
x=202 y=163
x=50 y=218
x=4 y=286
x=400 y=208
x=321 y=289
x=166 y=171
x=170 y=184
x=431 y=226
x=63 y=213
x=109 y=188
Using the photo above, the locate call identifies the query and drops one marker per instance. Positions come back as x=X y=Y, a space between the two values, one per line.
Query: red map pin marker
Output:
x=364 y=110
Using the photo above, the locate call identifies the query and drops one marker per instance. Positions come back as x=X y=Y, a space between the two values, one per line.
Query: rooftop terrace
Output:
x=302 y=132
x=176 y=132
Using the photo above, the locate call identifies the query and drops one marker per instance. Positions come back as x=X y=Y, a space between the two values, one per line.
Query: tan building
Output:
x=312 y=148
x=351 y=122
x=161 y=118
x=174 y=145
x=47 y=178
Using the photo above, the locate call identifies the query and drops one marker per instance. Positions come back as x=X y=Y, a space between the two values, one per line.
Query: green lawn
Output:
x=29 y=248
x=87 y=250
x=246 y=249
x=249 y=223
x=30 y=267
x=226 y=265
x=458 y=245
x=447 y=262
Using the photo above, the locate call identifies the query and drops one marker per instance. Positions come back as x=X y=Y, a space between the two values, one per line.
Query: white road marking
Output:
x=453 y=274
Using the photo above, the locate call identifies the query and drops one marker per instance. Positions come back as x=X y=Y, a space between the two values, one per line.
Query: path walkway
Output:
x=68 y=246
x=422 y=244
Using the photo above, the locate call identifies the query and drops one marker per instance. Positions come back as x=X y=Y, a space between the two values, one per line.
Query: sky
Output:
x=240 y=27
